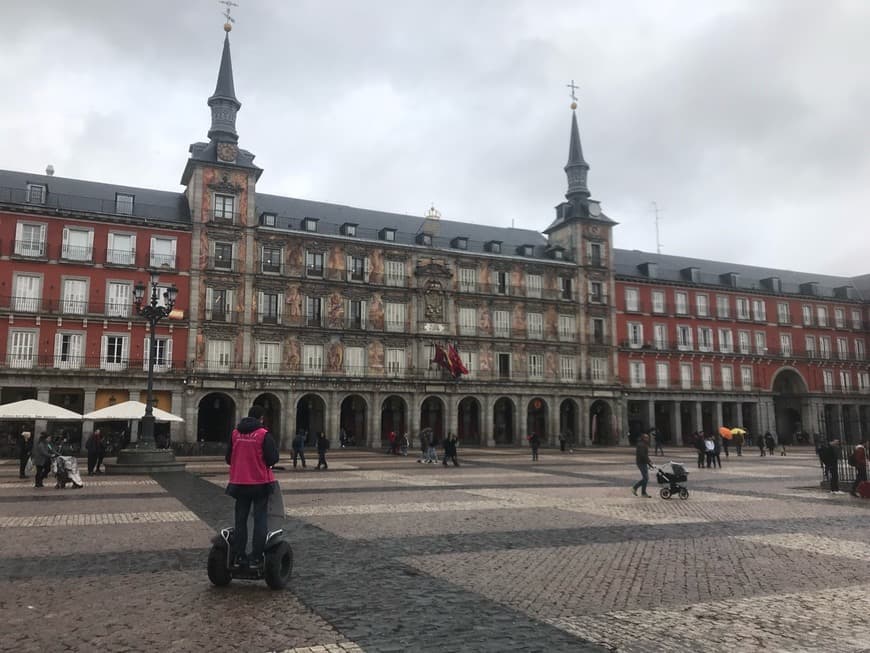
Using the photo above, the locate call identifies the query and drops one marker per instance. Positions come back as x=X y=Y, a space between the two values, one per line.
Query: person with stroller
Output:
x=251 y=452
x=322 y=448
x=644 y=464
x=96 y=449
x=41 y=456
x=25 y=447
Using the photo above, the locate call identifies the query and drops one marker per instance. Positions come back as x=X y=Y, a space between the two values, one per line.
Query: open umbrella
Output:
x=738 y=431
x=127 y=410
x=34 y=409
x=725 y=432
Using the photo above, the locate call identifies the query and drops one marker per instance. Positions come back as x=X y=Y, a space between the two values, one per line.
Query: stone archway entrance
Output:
x=568 y=421
x=469 y=421
x=503 y=421
x=789 y=391
x=216 y=418
x=601 y=423
x=393 y=418
x=353 y=418
x=536 y=419
x=310 y=417
x=272 y=419
x=432 y=416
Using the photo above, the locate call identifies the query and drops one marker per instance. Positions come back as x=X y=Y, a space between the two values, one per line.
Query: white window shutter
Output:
x=19 y=232
x=146 y=353
x=367 y=268
x=261 y=296
x=363 y=311
x=133 y=247
x=168 y=353
x=209 y=299
x=58 y=344
x=65 y=247
x=90 y=244
x=348 y=267
x=104 y=347
x=110 y=244
x=230 y=307
x=125 y=351
x=172 y=244
x=280 y=306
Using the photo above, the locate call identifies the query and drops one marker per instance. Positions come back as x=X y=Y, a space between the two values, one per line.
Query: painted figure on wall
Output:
x=293 y=299
x=375 y=354
x=519 y=318
x=335 y=310
x=376 y=267
x=434 y=301
x=334 y=357
x=292 y=354
x=376 y=312
x=485 y=321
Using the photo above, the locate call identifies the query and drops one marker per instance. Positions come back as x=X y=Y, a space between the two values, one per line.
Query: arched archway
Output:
x=789 y=390
x=393 y=418
x=469 y=421
x=215 y=418
x=601 y=429
x=536 y=419
x=310 y=417
x=568 y=421
x=272 y=419
x=503 y=421
x=432 y=416
x=353 y=418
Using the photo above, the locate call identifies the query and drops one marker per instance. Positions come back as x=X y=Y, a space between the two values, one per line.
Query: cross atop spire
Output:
x=228 y=25
x=576 y=168
x=573 y=88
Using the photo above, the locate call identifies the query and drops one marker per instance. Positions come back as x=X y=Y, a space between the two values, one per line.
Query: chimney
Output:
x=49 y=170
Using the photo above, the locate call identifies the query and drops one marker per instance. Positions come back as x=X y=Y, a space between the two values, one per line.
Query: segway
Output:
x=275 y=570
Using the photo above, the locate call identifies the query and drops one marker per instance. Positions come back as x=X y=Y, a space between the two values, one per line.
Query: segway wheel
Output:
x=684 y=493
x=278 y=566
x=665 y=493
x=218 y=573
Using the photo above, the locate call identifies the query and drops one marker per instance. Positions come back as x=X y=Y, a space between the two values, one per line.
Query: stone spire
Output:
x=223 y=102
x=576 y=168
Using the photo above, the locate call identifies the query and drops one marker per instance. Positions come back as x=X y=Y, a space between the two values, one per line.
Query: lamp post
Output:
x=153 y=311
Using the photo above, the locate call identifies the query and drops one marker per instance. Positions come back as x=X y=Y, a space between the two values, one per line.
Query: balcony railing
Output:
x=30 y=248
x=69 y=307
x=223 y=264
x=121 y=257
x=92 y=205
x=54 y=362
x=162 y=261
x=79 y=253
x=221 y=217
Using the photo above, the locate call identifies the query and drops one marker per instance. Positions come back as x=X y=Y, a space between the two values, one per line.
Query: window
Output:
x=746 y=377
x=218 y=304
x=702 y=304
x=742 y=308
x=684 y=338
x=705 y=339
x=596 y=292
x=162 y=356
x=637 y=374
x=663 y=372
x=782 y=313
x=845 y=380
x=224 y=207
x=598 y=369
x=68 y=350
x=864 y=381
x=268 y=219
x=856 y=319
x=744 y=342
x=314 y=312
x=121 y=249
x=759 y=310
x=810 y=344
x=535 y=325
x=495 y=246
x=566 y=287
x=504 y=365
x=467 y=280
x=354 y=361
x=27 y=294
x=349 y=230
x=686 y=375
x=468 y=321
x=635 y=335
x=78 y=244
x=536 y=366
x=74 y=296
x=114 y=352
x=309 y=224
x=223 y=256
x=632 y=302
x=534 y=284
x=268 y=357
x=568 y=327
x=807 y=314
x=269 y=308
x=502 y=283
x=271 y=258
x=22 y=349
x=469 y=359
x=595 y=257
x=119 y=298
x=355 y=313
x=658 y=301
x=312 y=359
x=598 y=335
x=29 y=239
x=681 y=300
x=501 y=324
x=124 y=203
x=859 y=350
x=785 y=344
x=395 y=362
x=825 y=346
x=394 y=273
x=727 y=377
x=726 y=341
x=760 y=342
x=394 y=315
x=822 y=316
x=839 y=318
x=707 y=377
x=35 y=193
x=357 y=268
x=567 y=368
x=219 y=355
x=162 y=252
x=723 y=306
x=388 y=235
x=314 y=264
x=660 y=336
x=828 y=380
x=842 y=348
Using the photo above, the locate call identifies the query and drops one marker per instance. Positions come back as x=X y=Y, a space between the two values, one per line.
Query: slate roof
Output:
x=626 y=262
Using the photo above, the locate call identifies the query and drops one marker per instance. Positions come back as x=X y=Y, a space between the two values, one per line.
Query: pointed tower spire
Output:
x=223 y=102
x=576 y=168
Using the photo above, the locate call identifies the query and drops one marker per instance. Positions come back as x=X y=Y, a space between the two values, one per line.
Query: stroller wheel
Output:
x=684 y=493
x=665 y=493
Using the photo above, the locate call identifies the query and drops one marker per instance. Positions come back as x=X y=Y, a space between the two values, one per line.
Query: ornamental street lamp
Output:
x=152 y=310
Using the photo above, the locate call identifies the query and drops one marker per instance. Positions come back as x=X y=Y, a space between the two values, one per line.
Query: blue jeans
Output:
x=644 y=478
x=258 y=497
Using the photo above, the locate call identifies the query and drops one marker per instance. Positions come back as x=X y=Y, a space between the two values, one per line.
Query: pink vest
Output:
x=246 y=463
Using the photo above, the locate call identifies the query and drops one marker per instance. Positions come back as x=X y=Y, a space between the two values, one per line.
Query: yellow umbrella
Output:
x=738 y=431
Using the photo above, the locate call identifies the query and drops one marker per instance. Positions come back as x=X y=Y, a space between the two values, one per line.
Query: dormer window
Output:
x=268 y=219
x=460 y=242
x=124 y=203
x=526 y=250
x=36 y=193
x=348 y=229
x=493 y=246
x=309 y=224
x=387 y=234
x=424 y=239
x=556 y=253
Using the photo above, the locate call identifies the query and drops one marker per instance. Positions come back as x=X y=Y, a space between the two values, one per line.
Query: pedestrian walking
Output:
x=700 y=446
x=450 y=450
x=644 y=464
x=561 y=442
x=858 y=460
x=404 y=444
x=760 y=444
x=322 y=448
x=782 y=448
x=534 y=443
x=431 y=454
x=657 y=440
x=342 y=438
x=830 y=455
x=769 y=442
x=393 y=444
x=738 y=443
x=297 y=449
x=709 y=450
x=96 y=449
x=41 y=455
x=725 y=444
x=424 y=446
x=25 y=447
x=717 y=450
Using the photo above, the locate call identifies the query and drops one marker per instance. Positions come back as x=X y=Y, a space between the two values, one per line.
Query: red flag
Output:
x=441 y=359
x=457 y=368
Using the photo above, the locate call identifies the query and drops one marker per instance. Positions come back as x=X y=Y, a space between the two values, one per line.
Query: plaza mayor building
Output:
x=333 y=317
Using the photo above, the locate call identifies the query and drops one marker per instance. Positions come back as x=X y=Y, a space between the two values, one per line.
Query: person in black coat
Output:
x=830 y=455
x=450 y=450
x=322 y=448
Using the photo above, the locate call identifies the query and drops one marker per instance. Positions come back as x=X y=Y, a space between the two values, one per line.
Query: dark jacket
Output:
x=534 y=441
x=25 y=446
x=270 y=449
x=41 y=453
x=322 y=444
x=829 y=454
x=95 y=446
x=641 y=454
x=449 y=447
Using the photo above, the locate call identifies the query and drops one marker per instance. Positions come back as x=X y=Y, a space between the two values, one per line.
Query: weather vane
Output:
x=573 y=88
x=226 y=13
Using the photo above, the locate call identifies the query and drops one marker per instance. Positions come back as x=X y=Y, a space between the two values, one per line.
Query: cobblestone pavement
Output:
x=500 y=554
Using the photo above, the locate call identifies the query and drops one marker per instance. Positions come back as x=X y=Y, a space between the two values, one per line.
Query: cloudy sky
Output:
x=744 y=120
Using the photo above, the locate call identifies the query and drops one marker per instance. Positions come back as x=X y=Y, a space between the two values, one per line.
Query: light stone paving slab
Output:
x=98 y=519
x=829 y=546
x=339 y=647
x=86 y=481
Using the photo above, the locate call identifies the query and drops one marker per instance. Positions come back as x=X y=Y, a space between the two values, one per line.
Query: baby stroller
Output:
x=66 y=470
x=675 y=477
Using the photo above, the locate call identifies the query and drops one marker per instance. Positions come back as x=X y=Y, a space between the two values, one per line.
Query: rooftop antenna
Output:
x=658 y=241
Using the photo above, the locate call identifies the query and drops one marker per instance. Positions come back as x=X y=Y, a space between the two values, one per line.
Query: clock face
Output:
x=227 y=151
x=594 y=209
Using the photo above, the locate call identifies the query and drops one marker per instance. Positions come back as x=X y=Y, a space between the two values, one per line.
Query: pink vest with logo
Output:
x=246 y=461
